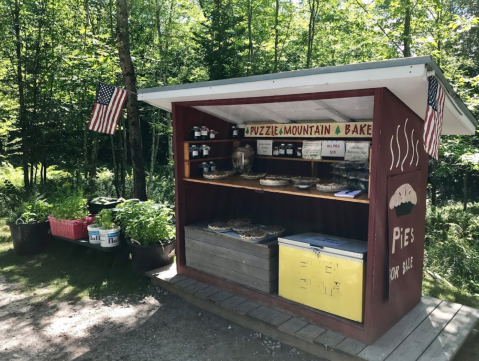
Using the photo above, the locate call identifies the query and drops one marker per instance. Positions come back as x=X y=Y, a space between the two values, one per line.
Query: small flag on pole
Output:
x=433 y=118
x=108 y=105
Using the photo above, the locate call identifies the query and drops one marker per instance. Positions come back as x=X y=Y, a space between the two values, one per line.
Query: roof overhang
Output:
x=406 y=78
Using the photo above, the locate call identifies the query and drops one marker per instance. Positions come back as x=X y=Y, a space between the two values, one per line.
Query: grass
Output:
x=60 y=274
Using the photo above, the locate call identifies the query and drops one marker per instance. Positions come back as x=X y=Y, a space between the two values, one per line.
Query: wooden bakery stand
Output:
x=366 y=93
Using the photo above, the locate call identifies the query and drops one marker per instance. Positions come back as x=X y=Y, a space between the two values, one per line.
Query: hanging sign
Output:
x=332 y=148
x=312 y=149
x=311 y=130
x=264 y=147
x=357 y=151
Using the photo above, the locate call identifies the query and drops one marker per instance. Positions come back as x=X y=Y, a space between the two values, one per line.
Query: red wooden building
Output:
x=389 y=99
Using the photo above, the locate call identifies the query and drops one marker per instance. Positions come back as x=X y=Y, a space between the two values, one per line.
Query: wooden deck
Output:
x=433 y=330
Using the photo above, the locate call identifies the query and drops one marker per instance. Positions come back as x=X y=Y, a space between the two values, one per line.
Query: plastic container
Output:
x=110 y=237
x=94 y=234
x=30 y=238
x=76 y=229
x=204 y=132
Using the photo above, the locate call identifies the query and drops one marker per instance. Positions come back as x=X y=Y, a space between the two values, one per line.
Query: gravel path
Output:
x=160 y=326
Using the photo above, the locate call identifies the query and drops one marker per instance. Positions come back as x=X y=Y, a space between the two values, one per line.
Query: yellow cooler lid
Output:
x=327 y=244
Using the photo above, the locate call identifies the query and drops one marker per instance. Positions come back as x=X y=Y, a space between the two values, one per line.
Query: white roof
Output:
x=406 y=78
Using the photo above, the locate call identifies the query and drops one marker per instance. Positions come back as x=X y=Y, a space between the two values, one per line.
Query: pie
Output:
x=273 y=230
x=219 y=226
x=254 y=234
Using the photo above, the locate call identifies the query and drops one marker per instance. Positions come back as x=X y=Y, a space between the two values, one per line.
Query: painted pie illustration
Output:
x=403 y=199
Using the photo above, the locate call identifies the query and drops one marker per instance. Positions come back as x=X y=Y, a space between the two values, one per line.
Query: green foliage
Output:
x=69 y=205
x=105 y=219
x=452 y=245
x=35 y=209
x=147 y=222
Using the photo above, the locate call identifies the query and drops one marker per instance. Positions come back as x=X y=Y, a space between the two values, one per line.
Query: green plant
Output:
x=148 y=223
x=451 y=245
x=105 y=219
x=71 y=206
x=33 y=210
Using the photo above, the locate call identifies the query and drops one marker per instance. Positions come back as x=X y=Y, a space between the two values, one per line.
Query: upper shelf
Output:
x=238 y=182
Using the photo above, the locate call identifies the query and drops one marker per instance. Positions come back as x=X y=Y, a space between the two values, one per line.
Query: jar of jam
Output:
x=212 y=134
x=299 y=152
x=290 y=150
x=195 y=133
x=205 y=167
x=282 y=150
x=204 y=151
x=194 y=151
x=212 y=166
x=204 y=132
x=275 y=151
x=235 y=132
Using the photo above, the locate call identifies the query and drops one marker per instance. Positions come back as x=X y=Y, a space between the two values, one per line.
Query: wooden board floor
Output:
x=433 y=330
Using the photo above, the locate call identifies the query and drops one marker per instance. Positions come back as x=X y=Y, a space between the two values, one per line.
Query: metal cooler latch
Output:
x=316 y=250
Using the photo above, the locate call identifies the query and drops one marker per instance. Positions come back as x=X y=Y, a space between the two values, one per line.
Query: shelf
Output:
x=238 y=182
x=207 y=159
x=298 y=159
x=210 y=141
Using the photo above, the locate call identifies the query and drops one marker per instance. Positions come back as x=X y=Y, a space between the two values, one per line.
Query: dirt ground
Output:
x=160 y=326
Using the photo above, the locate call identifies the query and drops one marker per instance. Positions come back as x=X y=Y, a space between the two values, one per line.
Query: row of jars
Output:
x=199 y=151
x=287 y=150
x=207 y=167
x=202 y=133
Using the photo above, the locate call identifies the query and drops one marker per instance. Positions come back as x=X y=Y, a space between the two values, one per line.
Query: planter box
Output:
x=30 y=238
x=76 y=229
x=254 y=265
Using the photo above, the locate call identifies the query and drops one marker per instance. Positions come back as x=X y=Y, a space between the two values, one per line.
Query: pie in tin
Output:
x=239 y=222
x=219 y=226
x=244 y=227
x=274 y=230
x=274 y=182
x=258 y=233
x=331 y=187
x=280 y=176
x=253 y=176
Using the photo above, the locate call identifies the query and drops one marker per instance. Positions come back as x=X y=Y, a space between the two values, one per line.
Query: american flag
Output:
x=433 y=119
x=108 y=105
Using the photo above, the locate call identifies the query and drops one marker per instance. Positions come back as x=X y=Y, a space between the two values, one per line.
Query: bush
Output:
x=147 y=223
x=69 y=206
x=452 y=245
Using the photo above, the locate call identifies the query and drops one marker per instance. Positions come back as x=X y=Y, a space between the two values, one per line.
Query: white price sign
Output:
x=265 y=147
x=333 y=148
x=312 y=149
x=357 y=151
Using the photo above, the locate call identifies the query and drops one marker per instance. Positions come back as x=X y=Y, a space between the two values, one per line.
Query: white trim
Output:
x=265 y=112
x=333 y=113
x=220 y=114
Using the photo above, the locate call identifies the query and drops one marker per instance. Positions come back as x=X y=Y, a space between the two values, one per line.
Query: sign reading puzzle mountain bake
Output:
x=311 y=130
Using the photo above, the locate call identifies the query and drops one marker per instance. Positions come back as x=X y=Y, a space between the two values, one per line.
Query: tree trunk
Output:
x=21 y=95
x=136 y=148
x=115 y=167
x=313 y=8
x=94 y=155
x=250 y=38
x=407 y=32
x=125 y=156
x=276 y=37
x=464 y=189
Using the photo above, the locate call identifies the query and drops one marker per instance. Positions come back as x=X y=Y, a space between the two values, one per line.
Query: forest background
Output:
x=54 y=52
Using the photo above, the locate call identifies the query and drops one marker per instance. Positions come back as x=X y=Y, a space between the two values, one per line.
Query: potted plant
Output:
x=29 y=226
x=69 y=217
x=151 y=234
x=109 y=231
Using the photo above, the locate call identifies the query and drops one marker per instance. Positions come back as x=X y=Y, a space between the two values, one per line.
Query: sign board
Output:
x=357 y=151
x=264 y=147
x=312 y=149
x=310 y=130
x=333 y=148
x=404 y=220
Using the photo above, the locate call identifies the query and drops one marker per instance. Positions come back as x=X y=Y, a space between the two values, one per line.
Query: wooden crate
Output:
x=247 y=263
